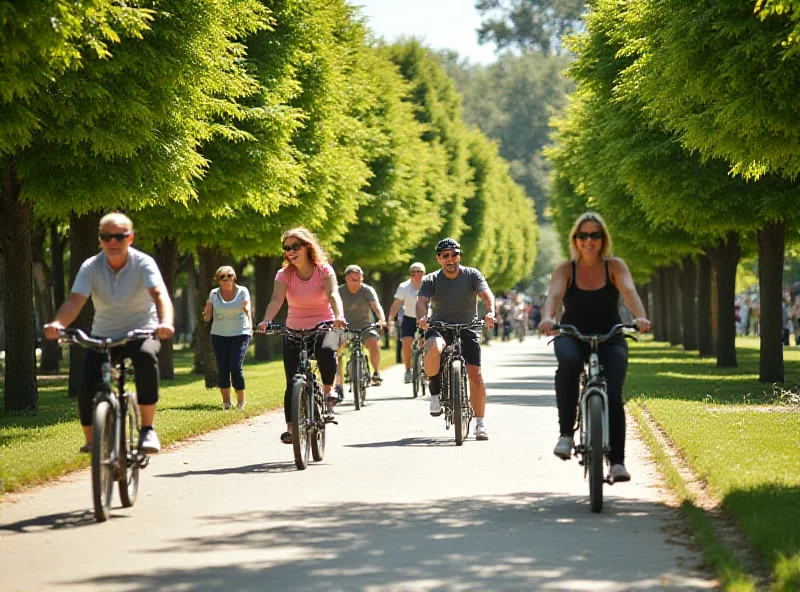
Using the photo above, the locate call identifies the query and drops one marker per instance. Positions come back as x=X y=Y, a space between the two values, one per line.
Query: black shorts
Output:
x=470 y=343
x=408 y=327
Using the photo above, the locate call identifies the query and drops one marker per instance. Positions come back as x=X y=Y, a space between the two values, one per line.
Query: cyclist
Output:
x=358 y=301
x=453 y=292
x=128 y=293
x=405 y=299
x=590 y=285
x=308 y=282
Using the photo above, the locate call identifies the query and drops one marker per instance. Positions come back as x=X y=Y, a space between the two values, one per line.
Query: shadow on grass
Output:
x=527 y=542
x=770 y=517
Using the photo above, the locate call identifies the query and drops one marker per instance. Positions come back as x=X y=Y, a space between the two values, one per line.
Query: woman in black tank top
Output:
x=589 y=287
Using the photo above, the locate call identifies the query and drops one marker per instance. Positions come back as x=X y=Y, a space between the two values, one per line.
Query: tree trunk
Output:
x=209 y=258
x=644 y=295
x=57 y=265
x=689 y=303
x=705 y=337
x=21 y=391
x=43 y=284
x=656 y=311
x=166 y=256
x=265 y=268
x=82 y=245
x=673 y=285
x=771 y=245
x=724 y=258
x=663 y=305
x=2 y=289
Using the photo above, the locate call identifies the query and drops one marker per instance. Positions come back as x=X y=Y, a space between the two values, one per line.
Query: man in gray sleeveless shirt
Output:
x=453 y=294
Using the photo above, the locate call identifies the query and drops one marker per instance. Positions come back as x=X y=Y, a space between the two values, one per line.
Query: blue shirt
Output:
x=230 y=319
x=121 y=299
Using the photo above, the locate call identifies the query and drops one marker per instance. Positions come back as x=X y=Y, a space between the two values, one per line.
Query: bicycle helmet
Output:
x=446 y=244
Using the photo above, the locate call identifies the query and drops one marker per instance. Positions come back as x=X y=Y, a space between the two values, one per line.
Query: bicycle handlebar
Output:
x=79 y=337
x=473 y=324
x=618 y=329
x=359 y=332
x=279 y=329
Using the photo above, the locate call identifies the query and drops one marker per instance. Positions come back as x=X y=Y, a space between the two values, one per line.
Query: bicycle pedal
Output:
x=330 y=419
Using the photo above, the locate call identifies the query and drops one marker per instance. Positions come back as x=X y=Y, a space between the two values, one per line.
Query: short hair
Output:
x=353 y=269
x=117 y=218
x=574 y=252
x=224 y=269
x=310 y=240
x=417 y=265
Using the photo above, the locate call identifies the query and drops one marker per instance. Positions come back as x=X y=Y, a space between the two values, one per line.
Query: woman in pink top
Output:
x=308 y=283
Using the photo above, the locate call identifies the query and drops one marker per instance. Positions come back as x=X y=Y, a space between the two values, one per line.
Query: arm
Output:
x=65 y=314
x=488 y=302
x=621 y=276
x=166 y=313
x=395 y=308
x=378 y=310
x=278 y=297
x=422 y=311
x=336 y=301
x=247 y=307
x=555 y=293
x=207 y=311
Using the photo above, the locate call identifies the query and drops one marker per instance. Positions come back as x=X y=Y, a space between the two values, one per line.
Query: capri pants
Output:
x=326 y=362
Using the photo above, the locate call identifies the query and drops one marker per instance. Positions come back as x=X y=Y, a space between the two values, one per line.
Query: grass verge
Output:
x=740 y=438
x=36 y=448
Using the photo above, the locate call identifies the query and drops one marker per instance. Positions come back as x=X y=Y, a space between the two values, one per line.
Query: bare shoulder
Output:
x=617 y=264
x=563 y=270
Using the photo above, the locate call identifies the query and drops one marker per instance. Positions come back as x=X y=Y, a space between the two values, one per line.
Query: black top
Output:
x=591 y=311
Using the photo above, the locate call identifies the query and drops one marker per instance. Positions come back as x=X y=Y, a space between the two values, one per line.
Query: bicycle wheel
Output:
x=103 y=459
x=594 y=454
x=460 y=416
x=128 y=462
x=317 y=433
x=300 y=416
x=355 y=379
x=416 y=373
x=366 y=379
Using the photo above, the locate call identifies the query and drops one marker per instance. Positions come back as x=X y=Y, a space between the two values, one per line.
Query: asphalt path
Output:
x=394 y=506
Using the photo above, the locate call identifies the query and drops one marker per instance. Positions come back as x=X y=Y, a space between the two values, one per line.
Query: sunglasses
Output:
x=118 y=236
x=449 y=255
x=416 y=271
x=225 y=277
x=584 y=235
x=293 y=247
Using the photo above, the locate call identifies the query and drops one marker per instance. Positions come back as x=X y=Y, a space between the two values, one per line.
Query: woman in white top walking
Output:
x=229 y=305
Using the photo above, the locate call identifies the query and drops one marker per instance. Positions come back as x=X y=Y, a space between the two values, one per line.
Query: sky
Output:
x=442 y=24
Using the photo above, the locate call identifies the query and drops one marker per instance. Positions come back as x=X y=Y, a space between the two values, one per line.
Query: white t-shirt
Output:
x=408 y=294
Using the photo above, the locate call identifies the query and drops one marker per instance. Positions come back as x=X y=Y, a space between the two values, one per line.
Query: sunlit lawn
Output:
x=35 y=448
x=741 y=436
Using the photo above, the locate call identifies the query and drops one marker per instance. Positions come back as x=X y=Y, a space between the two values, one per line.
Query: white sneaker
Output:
x=619 y=474
x=436 y=405
x=563 y=449
x=240 y=406
x=408 y=376
x=481 y=433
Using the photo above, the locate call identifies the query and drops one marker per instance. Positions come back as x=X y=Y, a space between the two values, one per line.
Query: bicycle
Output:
x=455 y=394
x=418 y=376
x=115 y=425
x=357 y=372
x=592 y=418
x=309 y=413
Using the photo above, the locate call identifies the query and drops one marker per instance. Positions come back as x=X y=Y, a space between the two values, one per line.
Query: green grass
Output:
x=735 y=434
x=35 y=448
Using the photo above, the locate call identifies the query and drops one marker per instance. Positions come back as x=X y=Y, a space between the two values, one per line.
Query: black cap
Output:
x=446 y=244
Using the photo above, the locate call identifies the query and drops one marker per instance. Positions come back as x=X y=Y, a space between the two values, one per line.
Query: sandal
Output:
x=286 y=437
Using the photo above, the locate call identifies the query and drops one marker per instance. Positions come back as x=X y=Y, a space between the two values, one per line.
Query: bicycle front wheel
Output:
x=317 y=432
x=356 y=370
x=460 y=415
x=129 y=461
x=103 y=459
x=300 y=419
x=594 y=460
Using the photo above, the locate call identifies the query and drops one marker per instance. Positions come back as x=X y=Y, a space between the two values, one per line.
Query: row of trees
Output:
x=683 y=132
x=217 y=124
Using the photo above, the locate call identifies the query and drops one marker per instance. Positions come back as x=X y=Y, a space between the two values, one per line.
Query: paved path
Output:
x=395 y=506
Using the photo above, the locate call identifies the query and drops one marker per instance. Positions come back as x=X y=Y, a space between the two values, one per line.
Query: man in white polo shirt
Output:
x=405 y=299
x=128 y=293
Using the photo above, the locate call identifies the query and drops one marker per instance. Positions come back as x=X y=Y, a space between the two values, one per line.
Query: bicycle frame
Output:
x=356 y=343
